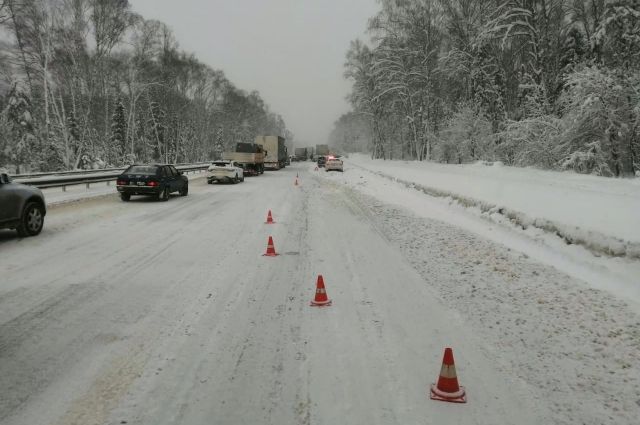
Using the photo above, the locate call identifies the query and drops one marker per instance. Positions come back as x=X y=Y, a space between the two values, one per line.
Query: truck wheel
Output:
x=236 y=179
x=242 y=179
x=32 y=220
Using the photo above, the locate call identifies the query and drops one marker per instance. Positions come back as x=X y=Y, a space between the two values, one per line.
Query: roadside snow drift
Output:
x=601 y=214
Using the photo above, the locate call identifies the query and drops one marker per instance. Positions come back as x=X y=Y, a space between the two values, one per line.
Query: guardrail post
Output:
x=87 y=185
x=64 y=188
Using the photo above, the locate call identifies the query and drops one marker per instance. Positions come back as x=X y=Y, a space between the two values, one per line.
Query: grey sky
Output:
x=292 y=51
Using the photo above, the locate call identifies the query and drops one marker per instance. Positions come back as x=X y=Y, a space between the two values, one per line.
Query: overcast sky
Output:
x=291 y=51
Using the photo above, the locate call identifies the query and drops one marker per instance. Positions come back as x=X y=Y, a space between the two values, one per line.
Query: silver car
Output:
x=22 y=207
x=333 y=163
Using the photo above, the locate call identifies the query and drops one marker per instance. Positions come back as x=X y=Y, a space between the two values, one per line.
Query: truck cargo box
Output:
x=275 y=152
x=252 y=163
x=248 y=147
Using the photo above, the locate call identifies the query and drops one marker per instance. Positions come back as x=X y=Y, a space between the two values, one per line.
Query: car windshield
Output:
x=143 y=170
x=221 y=164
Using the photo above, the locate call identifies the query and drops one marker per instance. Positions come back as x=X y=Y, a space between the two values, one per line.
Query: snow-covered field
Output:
x=166 y=313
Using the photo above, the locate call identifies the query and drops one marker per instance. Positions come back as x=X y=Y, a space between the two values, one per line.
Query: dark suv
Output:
x=156 y=180
x=22 y=207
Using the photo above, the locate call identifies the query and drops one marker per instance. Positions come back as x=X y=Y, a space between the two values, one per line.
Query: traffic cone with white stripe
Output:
x=269 y=218
x=447 y=388
x=271 y=249
x=321 y=298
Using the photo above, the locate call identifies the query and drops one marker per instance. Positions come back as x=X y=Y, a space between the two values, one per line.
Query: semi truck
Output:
x=301 y=154
x=275 y=152
x=322 y=150
x=249 y=156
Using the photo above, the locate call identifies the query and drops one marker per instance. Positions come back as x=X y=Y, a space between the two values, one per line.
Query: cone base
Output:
x=270 y=255
x=320 y=303
x=269 y=222
x=457 y=397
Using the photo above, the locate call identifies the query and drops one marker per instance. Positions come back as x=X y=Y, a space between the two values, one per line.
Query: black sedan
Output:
x=158 y=181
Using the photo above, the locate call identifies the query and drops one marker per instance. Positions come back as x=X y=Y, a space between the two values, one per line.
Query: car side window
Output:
x=164 y=172
x=174 y=172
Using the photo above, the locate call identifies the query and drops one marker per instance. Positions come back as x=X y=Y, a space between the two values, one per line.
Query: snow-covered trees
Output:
x=547 y=83
x=118 y=131
x=103 y=86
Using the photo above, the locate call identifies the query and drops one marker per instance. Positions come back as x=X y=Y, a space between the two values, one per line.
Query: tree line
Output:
x=553 y=84
x=91 y=84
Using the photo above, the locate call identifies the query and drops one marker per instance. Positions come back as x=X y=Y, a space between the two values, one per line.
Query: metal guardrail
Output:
x=73 y=178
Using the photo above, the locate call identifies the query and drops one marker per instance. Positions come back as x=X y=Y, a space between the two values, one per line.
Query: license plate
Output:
x=140 y=183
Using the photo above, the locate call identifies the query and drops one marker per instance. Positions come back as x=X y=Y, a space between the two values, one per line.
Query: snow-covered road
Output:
x=166 y=313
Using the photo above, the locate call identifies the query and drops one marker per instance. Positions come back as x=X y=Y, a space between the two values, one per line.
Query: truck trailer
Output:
x=301 y=154
x=275 y=152
x=249 y=156
x=322 y=150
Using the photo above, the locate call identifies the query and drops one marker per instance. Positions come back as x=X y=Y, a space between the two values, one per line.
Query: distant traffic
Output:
x=23 y=206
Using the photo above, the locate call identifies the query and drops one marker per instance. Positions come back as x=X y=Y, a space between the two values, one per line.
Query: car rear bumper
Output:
x=139 y=190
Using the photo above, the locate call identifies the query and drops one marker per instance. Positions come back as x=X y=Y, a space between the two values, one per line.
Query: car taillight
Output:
x=121 y=182
x=153 y=184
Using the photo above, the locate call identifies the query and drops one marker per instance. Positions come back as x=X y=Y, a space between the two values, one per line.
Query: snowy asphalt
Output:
x=166 y=313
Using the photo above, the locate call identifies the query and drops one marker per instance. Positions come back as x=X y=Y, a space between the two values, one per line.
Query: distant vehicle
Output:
x=321 y=161
x=300 y=154
x=22 y=207
x=333 y=163
x=274 y=150
x=156 y=180
x=249 y=156
x=322 y=149
x=225 y=171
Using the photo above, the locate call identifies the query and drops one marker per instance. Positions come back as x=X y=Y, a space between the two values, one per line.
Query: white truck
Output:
x=249 y=156
x=275 y=152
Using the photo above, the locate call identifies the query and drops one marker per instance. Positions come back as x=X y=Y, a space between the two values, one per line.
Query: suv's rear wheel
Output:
x=32 y=220
x=125 y=197
x=185 y=190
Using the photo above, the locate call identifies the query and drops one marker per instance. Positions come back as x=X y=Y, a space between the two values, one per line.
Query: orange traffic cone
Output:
x=321 y=298
x=447 y=388
x=269 y=218
x=296 y=183
x=316 y=169
x=271 y=249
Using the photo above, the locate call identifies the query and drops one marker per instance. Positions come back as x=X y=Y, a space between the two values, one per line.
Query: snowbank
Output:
x=601 y=214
